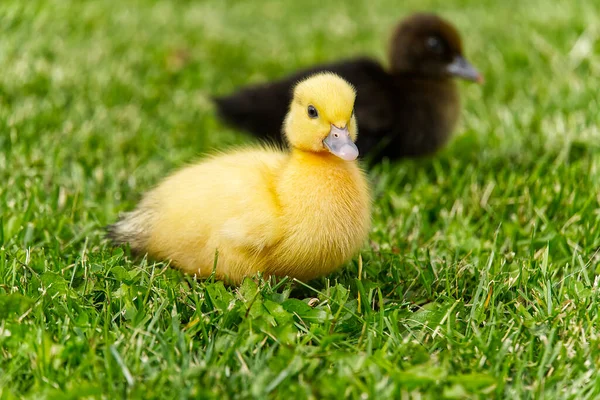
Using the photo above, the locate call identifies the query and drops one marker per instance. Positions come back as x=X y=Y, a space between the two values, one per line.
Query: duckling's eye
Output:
x=312 y=112
x=434 y=44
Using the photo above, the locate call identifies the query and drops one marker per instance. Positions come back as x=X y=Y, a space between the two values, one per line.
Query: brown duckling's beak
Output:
x=339 y=143
x=461 y=68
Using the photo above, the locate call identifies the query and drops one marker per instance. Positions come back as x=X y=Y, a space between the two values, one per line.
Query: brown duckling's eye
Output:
x=434 y=44
x=312 y=112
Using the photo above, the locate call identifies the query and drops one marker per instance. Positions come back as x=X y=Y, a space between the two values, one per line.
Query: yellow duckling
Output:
x=301 y=213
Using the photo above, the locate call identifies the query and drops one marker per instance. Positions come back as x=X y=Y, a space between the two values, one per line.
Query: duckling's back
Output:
x=226 y=202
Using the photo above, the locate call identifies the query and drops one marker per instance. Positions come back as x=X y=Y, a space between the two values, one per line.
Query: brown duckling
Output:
x=407 y=110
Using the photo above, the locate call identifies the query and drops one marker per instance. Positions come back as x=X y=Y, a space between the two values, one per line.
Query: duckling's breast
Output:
x=325 y=216
x=424 y=117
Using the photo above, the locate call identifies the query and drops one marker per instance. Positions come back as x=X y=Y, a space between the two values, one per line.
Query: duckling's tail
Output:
x=133 y=228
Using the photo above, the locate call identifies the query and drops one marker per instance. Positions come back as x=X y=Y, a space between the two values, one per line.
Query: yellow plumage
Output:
x=301 y=213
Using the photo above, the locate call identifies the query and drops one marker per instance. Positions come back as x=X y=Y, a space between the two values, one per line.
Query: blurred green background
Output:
x=481 y=276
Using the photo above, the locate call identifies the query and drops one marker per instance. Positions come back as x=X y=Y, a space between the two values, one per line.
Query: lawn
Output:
x=481 y=276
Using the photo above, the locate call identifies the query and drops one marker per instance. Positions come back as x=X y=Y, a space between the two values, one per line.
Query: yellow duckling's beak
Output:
x=339 y=143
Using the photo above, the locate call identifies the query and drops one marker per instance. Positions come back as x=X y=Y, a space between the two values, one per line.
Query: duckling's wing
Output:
x=255 y=225
x=261 y=109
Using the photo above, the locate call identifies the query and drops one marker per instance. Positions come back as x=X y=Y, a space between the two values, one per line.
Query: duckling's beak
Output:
x=461 y=68
x=339 y=143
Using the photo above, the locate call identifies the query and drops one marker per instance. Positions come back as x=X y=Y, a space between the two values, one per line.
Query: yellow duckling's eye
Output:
x=312 y=112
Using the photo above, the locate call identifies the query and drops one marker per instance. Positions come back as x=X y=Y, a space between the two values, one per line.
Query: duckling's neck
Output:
x=318 y=182
x=311 y=158
x=419 y=77
x=308 y=173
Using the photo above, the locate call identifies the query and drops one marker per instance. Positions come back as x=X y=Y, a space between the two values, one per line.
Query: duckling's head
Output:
x=321 y=117
x=427 y=45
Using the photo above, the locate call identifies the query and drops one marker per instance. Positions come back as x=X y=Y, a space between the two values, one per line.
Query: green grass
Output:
x=481 y=276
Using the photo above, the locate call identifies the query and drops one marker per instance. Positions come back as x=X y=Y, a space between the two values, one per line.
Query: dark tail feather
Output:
x=110 y=233
x=132 y=228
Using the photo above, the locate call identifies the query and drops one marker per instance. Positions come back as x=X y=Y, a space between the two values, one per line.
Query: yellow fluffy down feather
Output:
x=301 y=213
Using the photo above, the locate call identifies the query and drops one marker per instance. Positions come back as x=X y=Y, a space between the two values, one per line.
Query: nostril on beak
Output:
x=337 y=132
